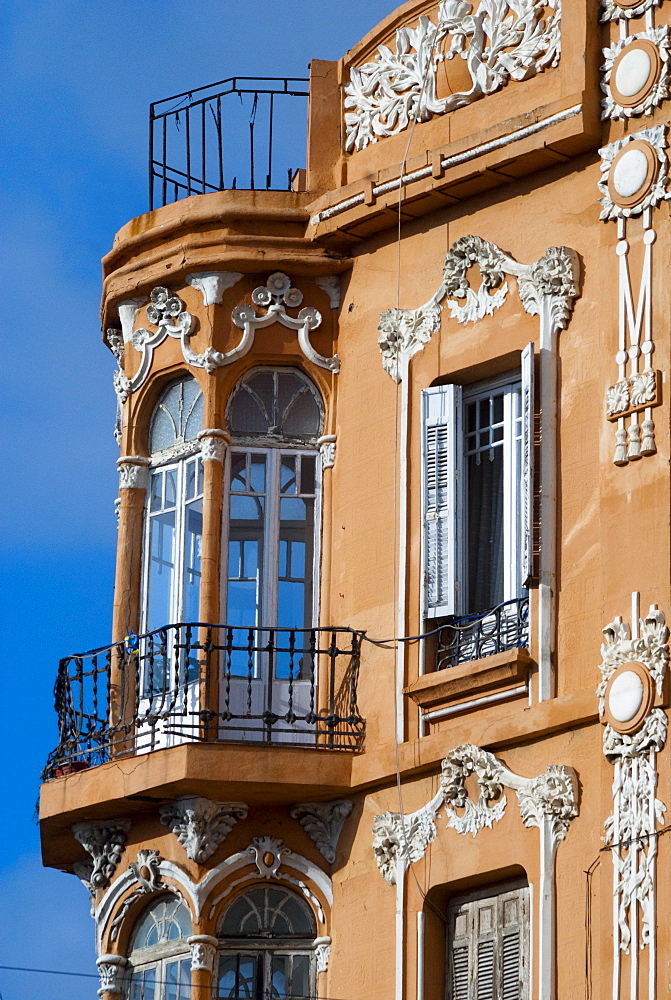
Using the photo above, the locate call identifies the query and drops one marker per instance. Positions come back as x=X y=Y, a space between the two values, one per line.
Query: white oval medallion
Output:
x=625 y=696
x=633 y=72
x=630 y=173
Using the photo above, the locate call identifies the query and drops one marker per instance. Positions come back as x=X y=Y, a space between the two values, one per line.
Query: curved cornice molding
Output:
x=547 y=288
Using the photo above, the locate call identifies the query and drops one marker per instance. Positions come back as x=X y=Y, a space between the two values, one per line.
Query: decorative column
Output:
x=133 y=479
x=633 y=666
x=111 y=969
x=203 y=954
x=213 y=444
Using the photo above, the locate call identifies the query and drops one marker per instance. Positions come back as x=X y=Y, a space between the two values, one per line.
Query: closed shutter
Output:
x=488 y=946
x=441 y=453
x=527 y=472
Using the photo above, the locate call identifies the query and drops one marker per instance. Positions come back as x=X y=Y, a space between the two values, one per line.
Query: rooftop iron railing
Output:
x=208 y=683
x=198 y=139
x=475 y=636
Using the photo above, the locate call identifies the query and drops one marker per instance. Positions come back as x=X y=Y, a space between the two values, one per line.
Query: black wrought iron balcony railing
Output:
x=208 y=683
x=474 y=636
x=243 y=132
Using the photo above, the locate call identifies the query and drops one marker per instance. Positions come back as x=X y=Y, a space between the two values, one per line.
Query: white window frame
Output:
x=177 y=590
x=444 y=520
x=476 y=956
x=269 y=582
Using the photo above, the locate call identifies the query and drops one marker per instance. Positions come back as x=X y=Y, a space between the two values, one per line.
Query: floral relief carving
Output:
x=201 y=825
x=499 y=40
x=323 y=953
x=323 y=823
x=659 y=37
x=548 y=801
x=105 y=841
x=550 y=285
x=459 y=763
x=401 y=840
x=554 y=795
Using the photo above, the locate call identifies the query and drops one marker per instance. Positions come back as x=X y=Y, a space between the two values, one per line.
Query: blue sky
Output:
x=78 y=77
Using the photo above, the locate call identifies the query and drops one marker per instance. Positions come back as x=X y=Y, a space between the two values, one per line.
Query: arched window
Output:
x=271 y=555
x=174 y=508
x=275 y=419
x=267 y=947
x=159 y=957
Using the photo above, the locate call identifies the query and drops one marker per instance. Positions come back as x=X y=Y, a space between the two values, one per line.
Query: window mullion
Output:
x=177 y=596
x=272 y=529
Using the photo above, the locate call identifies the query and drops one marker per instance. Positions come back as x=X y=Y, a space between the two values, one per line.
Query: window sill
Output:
x=491 y=672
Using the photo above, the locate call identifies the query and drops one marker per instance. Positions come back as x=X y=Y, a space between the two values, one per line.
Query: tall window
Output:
x=275 y=420
x=267 y=947
x=478 y=489
x=488 y=945
x=159 y=959
x=174 y=508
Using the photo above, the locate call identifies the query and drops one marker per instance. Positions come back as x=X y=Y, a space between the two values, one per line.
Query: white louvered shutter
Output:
x=441 y=468
x=527 y=483
x=488 y=946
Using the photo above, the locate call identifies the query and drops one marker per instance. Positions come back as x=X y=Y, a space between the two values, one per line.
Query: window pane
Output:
x=163 y=430
x=192 y=552
x=247 y=415
x=485 y=536
x=156 y=491
x=288 y=474
x=193 y=412
x=279 y=975
x=307 y=474
x=170 y=487
x=300 y=976
x=257 y=474
x=238 y=976
x=143 y=986
x=302 y=419
x=161 y=569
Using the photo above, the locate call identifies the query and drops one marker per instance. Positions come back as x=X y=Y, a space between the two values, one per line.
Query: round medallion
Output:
x=635 y=72
x=629 y=697
x=632 y=173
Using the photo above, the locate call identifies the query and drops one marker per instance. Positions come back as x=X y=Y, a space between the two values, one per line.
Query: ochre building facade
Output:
x=384 y=713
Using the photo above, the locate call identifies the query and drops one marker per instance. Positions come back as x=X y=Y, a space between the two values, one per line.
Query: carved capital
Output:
x=200 y=825
x=105 y=841
x=323 y=823
x=111 y=971
x=327 y=450
x=322 y=953
x=133 y=472
x=213 y=444
x=331 y=285
x=552 y=285
x=203 y=951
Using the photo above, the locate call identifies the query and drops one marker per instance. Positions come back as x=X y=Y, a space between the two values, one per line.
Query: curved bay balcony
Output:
x=198 y=682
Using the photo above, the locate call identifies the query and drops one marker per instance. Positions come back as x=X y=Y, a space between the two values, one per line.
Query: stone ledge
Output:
x=497 y=671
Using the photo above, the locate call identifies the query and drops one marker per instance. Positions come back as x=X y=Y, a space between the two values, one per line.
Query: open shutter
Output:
x=527 y=472
x=441 y=413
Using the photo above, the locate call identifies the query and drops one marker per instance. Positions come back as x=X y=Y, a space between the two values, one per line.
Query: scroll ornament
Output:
x=551 y=283
x=499 y=40
x=105 y=841
x=401 y=840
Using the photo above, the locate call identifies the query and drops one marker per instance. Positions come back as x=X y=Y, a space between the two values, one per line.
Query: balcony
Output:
x=473 y=637
x=197 y=682
x=264 y=134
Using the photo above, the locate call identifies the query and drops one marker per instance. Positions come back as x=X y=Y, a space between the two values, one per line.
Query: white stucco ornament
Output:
x=499 y=40
x=201 y=825
x=633 y=72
